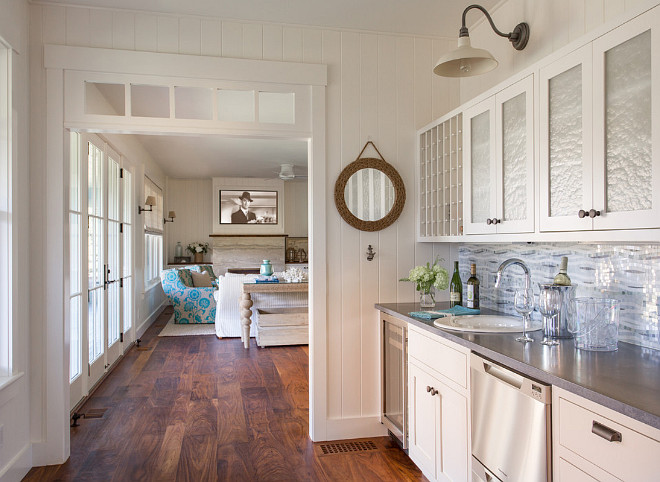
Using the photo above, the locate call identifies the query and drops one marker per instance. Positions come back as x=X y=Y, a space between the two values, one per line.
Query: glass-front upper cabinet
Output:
x=499 y=162
x=598 y=125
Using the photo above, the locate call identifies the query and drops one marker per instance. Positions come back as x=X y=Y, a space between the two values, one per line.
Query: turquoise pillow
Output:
x=209 y=269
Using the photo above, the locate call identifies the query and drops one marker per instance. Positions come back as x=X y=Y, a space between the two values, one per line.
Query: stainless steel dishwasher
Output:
x=510 y=425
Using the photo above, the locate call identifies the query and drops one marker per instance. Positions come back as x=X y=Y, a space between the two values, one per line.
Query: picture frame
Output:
x=243 y=206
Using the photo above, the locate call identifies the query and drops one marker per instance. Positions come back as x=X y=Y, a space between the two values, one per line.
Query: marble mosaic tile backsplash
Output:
x=627 y=272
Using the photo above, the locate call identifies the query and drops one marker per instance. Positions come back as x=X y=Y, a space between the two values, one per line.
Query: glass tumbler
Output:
x=596 y=324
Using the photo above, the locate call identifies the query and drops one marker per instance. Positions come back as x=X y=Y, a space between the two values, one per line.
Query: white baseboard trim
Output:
x=150 y=319
x=18 y=466
x=359 y=427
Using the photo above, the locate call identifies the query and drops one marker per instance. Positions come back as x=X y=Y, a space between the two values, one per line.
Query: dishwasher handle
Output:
x=536 y=390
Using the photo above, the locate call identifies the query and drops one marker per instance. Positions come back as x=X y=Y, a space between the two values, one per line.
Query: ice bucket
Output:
x=555 y=306
x=596 y=324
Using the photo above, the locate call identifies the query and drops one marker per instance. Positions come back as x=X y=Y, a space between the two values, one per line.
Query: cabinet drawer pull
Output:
x=605 y=432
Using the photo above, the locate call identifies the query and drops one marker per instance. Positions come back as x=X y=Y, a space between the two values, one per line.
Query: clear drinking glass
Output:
x=549 y=305
x=523 y=302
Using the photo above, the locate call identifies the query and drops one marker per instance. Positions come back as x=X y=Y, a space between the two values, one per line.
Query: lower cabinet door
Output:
x=438 y=427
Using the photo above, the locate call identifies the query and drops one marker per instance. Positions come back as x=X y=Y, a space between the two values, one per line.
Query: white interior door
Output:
x=113 y=260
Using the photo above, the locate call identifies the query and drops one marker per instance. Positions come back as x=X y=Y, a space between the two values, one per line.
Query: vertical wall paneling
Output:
x=406 y=157
x=332 y=58
x=210 y=37
x=168 y=35
x=311 y=46
x=54 y=25
x=386 y=257
x=292 y=44
x=190 y=36
x=232 y=39
x=612 y=9
x=147 y=30
x=123 y=31
x=272 y=38
x=593 y=14
x=351 y=143
x=77 y=26
x=576 y=20
x=369 y=115
x=100 y=28
x=252 y=41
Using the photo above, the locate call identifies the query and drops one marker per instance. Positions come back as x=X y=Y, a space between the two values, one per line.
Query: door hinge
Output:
x=121 y=172
x=121 y=227
x=121 y=338
x=121 y=282
x=89 y=371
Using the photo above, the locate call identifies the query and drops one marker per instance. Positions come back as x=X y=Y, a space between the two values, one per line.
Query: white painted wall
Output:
x=553 y=24
x=295 y=208
x=15 y=454
x=380 y=87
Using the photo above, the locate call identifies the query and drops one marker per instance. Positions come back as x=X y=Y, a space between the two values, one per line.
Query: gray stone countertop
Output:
x=627 y=380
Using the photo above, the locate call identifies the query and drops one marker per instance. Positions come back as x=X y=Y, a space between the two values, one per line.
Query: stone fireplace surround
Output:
x=247 y=251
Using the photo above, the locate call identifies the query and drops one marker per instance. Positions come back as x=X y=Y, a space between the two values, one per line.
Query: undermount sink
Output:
x=485 y=324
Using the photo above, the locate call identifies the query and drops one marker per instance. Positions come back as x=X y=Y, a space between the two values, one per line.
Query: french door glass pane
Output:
x=128 y=303
x=75 y=329
x=128 y=189
x=481 y=175
x=127 y=269
x=74 y=173
x=113 y=189
x=95 y=252
x=113 y=313
x=95 y=324
x=514 y=157
x=565 y=143
x=75 y=252
x=628 y=121
x=95 y=180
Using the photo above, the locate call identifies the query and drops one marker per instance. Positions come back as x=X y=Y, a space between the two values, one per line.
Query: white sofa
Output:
x=227 y=313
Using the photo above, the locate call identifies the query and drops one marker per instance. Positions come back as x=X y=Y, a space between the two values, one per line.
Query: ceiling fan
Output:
x=286 y=173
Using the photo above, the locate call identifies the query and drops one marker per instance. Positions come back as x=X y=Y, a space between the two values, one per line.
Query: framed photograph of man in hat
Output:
x=248 y=207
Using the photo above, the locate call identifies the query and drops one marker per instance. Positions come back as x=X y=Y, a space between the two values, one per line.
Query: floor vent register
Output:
x=347 y=447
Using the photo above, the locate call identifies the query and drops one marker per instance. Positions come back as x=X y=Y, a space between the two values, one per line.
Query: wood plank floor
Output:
x=195 y=408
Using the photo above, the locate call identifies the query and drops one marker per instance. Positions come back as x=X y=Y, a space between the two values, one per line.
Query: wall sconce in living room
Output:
x=151 y=200
x=170 y=217
x=466 y=61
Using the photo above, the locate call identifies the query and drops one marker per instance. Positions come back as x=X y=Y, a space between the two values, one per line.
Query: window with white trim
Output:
x=5 y=212
x=153 y=234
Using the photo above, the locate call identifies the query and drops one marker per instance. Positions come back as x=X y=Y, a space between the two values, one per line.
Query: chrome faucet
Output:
x=509 y=262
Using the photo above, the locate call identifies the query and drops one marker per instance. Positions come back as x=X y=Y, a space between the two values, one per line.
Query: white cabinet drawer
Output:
x=446 y=358
x=568 y=471
x=628 y=459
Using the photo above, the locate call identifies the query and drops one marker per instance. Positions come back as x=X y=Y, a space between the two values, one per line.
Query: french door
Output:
x=102 y=188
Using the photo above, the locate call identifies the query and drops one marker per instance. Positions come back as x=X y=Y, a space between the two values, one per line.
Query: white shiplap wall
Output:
x=380 y=88
x=553 y=24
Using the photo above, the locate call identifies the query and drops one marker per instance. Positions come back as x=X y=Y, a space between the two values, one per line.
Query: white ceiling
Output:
x=214 y=156
x=416 y=17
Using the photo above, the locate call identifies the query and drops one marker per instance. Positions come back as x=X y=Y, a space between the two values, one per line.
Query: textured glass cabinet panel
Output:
x=565 y=142
x=628 y=125
x=514 y=157
x=481 y=175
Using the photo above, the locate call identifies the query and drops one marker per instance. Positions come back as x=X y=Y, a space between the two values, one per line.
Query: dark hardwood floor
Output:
x=195 y=408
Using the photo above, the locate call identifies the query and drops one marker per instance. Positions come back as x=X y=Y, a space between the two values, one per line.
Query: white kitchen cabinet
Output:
x=592 y=442
x=438 y=411
x=498 y=172
x=598 y=123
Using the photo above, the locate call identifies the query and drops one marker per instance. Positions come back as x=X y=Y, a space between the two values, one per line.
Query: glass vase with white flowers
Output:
x=426 y=278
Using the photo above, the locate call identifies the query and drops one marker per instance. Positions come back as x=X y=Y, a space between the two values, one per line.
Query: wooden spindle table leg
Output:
x=246 y=314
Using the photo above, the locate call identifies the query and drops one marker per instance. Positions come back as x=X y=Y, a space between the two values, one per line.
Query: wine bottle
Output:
x=455 y=288
x=472 y=300
x=562 y=278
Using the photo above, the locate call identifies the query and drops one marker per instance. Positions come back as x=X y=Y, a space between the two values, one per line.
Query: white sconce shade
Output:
x=465 y=61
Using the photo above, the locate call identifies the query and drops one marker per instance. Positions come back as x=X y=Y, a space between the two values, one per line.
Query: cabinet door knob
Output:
x=489 y=221
x=428 y=389
x=433 y=392
x=582 y=213
x=593 y=213
x=496 y=221
x=605 y=432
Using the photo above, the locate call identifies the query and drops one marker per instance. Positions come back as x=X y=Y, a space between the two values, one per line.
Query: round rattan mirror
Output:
x=369 y=194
